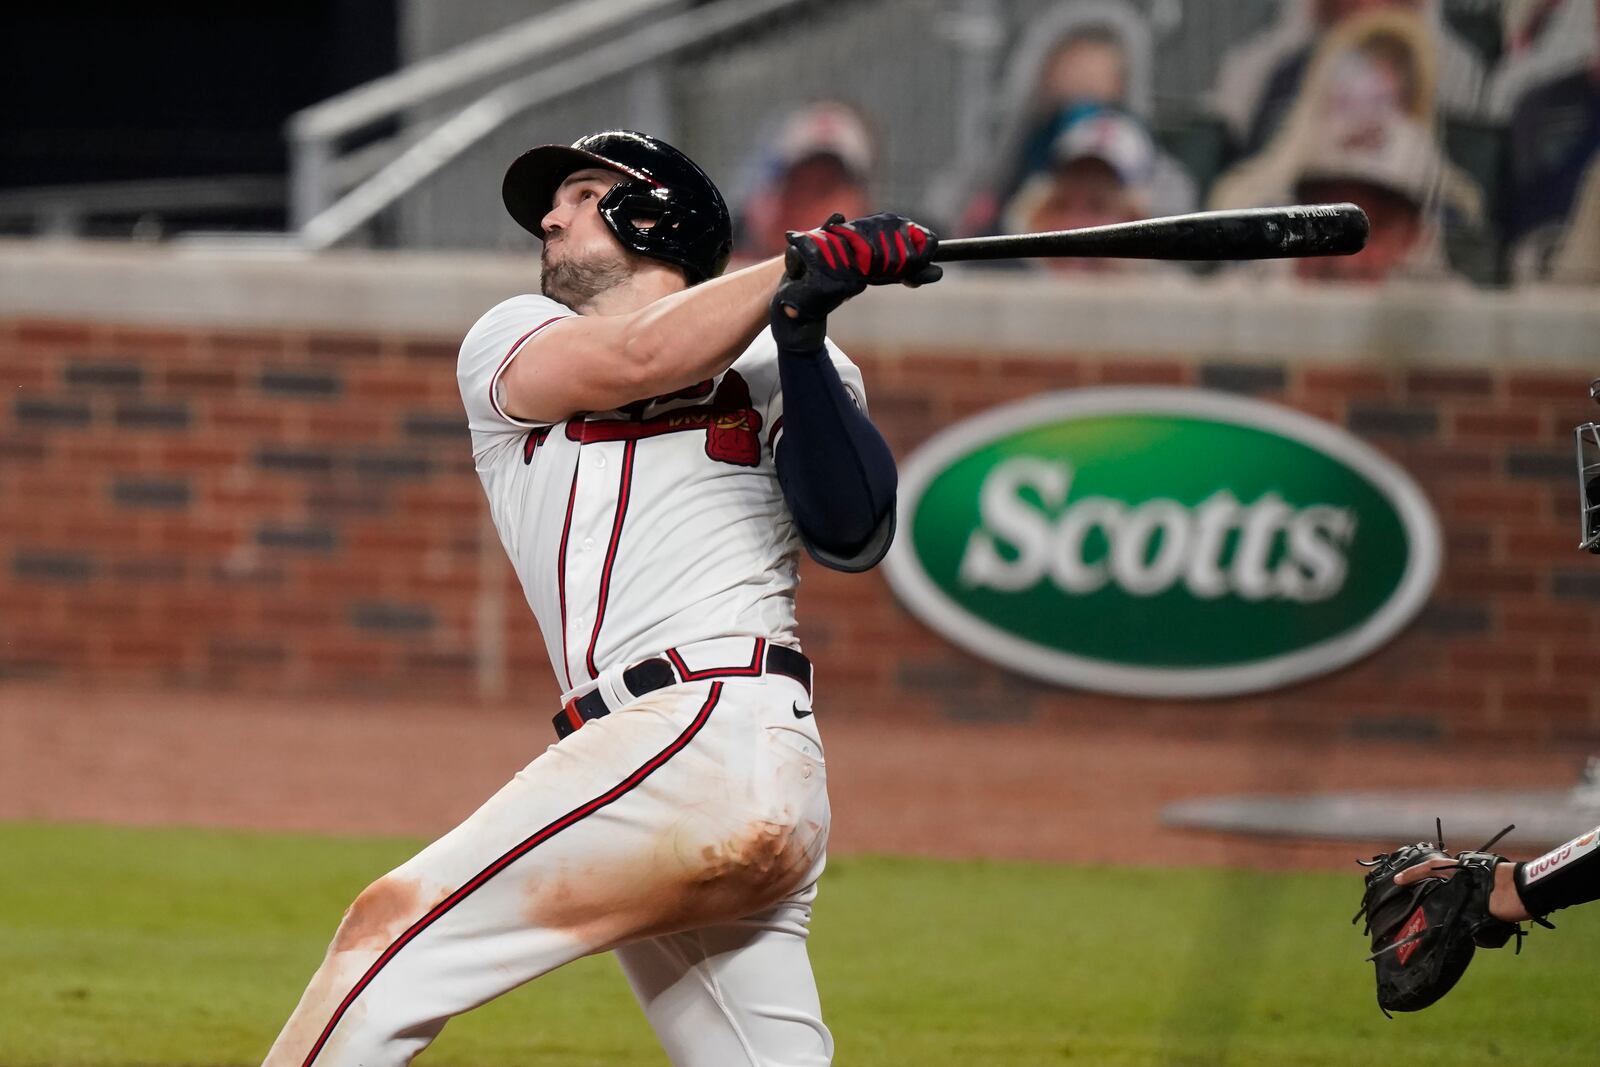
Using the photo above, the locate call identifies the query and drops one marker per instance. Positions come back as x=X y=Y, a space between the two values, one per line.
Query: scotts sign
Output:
x=1161 y=542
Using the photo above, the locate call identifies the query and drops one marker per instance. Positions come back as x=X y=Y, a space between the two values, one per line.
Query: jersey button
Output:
x=600 y=462
x=588 y=544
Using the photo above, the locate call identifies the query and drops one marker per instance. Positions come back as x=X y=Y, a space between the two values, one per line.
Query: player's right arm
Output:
x=601 y=362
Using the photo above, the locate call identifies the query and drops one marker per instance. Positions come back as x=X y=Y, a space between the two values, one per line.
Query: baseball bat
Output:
x=1254 y=233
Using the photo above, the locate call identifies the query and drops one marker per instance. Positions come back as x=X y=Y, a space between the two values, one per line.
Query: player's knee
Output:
x=381 y=913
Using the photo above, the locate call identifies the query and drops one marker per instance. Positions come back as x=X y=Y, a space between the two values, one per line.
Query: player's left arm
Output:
x=837 y=473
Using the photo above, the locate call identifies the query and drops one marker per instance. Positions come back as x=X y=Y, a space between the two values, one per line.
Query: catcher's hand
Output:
x=826 y=266
x=1425 y=931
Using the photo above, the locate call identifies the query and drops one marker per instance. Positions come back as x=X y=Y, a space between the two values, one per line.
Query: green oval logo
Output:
x=1161 y=542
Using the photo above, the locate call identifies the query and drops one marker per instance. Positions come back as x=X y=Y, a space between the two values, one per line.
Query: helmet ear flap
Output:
x=651 y=224
x=636 y=195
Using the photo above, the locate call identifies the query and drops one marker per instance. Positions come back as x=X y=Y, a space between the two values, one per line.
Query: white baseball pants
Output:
x=685 y=831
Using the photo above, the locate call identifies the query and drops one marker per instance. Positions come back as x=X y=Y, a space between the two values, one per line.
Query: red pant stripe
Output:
x=544 y=834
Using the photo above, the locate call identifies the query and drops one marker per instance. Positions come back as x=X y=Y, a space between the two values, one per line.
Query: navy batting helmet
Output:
x=688 y=221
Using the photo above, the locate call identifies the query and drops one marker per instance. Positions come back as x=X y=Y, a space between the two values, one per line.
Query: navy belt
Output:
x=658 y=672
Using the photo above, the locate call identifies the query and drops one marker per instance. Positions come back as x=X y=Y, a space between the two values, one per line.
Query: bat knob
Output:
x=1360 y=225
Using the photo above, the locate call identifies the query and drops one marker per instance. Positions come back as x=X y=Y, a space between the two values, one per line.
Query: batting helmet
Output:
x=689 y=223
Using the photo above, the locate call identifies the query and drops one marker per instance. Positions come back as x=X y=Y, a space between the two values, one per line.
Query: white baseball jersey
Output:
x=641 y=529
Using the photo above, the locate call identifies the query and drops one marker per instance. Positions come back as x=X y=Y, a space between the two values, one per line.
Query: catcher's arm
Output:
x=1566 y=875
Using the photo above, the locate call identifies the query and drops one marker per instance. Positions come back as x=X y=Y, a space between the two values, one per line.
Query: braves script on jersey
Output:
x=645 y=529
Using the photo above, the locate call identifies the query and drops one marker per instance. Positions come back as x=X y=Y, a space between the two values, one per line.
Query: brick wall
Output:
x=295 y=510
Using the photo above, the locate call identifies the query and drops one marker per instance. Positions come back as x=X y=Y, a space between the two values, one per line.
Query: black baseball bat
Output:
x=1254 y=233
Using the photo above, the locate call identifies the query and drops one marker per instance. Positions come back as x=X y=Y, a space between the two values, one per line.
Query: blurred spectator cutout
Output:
x=1080 y=56
x=1260 y=81
x=1392 y=169
x=1088 y=65
x=1100 y=166
x=1577 y=261
x=1549 y=86
x=1362 y=129
x=820 y=162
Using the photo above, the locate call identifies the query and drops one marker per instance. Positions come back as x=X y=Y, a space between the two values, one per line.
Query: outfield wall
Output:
x=249 y=470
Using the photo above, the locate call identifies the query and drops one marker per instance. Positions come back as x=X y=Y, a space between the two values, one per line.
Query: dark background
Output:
x=99 y=92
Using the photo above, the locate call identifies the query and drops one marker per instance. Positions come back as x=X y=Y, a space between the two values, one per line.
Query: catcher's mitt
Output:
x=1424 y=934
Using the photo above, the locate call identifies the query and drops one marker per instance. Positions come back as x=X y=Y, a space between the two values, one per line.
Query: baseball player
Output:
x=1427 y=910
x=654 y=454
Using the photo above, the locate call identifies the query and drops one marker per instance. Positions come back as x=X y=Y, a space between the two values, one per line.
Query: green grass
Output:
x=177 y=947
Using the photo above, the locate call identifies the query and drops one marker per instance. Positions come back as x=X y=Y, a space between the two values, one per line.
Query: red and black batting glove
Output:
x=882 y=249
x=826 y=266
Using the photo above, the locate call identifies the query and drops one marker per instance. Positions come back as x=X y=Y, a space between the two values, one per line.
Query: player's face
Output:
x=573 y=221
x=581 y=257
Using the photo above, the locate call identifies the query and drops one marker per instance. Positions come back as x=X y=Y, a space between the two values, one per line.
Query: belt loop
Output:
x=613 y=688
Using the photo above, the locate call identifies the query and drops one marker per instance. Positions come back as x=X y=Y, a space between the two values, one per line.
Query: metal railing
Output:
x=315 y=131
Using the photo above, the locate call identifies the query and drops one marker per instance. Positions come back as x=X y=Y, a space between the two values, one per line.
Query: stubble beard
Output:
x=576 y=281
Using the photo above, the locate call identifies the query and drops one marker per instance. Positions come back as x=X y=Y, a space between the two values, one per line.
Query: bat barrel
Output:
x=1256 y=233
